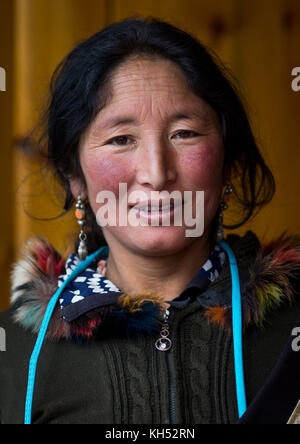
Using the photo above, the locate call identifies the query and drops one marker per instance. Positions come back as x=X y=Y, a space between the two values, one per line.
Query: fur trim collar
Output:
x=271 y=279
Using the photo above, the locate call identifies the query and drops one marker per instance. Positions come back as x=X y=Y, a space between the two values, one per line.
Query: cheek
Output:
x=202 y=170
x=203 y=167
x=104 y=174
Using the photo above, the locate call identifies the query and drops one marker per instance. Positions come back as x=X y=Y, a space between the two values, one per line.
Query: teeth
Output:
x=155 y=208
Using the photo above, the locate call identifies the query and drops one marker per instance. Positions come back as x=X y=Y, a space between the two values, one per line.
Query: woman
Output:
x=138 y=324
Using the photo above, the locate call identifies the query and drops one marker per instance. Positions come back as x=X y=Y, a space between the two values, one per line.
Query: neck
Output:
x=167 y=275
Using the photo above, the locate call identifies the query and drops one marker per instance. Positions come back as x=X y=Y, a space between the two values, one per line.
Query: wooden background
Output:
x=258 y=39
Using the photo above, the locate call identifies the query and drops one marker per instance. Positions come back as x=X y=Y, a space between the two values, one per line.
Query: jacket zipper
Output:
x=164 y=343
x=171 y=390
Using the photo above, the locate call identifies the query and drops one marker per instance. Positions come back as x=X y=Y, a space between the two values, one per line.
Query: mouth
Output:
x=157 y=211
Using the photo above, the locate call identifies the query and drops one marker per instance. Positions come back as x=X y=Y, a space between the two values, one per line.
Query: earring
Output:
x=81 y=220
x=223 y=206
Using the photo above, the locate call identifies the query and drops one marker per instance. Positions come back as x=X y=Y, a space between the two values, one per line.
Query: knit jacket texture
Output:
x=114 y=379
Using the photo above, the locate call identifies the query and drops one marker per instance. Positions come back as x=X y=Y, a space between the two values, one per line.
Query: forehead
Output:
x=143 y=74
x=140 y=84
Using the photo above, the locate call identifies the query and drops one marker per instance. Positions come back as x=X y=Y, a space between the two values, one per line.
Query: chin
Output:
x=158 y=241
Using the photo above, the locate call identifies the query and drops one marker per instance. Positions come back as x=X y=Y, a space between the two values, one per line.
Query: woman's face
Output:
x=154 y=134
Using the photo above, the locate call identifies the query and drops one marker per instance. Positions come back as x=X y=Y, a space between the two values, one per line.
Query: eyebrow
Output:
x=118 y=121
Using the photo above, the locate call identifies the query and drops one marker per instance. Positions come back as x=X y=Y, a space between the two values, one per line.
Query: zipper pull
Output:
x=164 y=343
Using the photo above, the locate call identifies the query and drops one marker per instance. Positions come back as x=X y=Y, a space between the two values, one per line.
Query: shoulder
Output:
x=34 y=280
x=274 y=276
x=269 y=279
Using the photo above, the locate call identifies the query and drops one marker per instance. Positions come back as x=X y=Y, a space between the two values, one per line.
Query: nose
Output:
x=156 y=165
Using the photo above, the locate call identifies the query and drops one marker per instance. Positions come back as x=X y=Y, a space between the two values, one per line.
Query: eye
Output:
x=119 y=141
x=186 y=134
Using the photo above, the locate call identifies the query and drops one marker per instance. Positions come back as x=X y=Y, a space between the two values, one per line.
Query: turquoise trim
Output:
x=41 y=336
x=237 y=330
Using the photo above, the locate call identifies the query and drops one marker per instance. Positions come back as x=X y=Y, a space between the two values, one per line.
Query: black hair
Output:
x=80 y=88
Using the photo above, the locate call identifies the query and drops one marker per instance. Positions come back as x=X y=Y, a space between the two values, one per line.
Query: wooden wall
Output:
x=258 y=39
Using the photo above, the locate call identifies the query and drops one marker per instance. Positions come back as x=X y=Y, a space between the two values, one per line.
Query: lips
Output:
x=157 y=212
x=156 y=206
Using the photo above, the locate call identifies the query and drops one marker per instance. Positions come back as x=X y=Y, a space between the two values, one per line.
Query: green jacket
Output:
x=109 y=379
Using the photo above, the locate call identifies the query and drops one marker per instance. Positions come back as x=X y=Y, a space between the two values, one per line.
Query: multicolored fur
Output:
x=271 y=282
x=34 y=281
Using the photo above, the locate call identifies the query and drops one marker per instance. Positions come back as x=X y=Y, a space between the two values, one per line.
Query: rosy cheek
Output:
x=104 y=174
x=202 y=166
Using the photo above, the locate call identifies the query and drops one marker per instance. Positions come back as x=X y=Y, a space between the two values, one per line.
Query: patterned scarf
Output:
x=92 y=289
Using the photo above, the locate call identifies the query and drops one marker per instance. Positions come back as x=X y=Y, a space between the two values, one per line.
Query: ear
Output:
x=77 y=187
